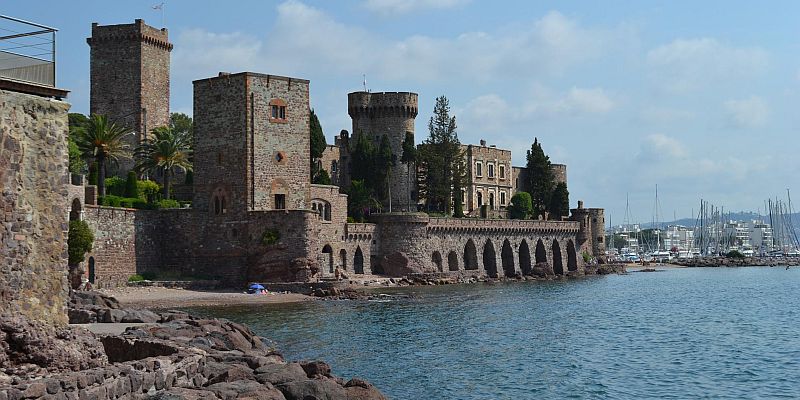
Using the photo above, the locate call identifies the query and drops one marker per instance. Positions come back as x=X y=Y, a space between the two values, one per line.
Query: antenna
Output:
x=365 y=82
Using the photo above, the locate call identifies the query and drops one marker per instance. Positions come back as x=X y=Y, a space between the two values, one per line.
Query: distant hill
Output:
x=736 y=216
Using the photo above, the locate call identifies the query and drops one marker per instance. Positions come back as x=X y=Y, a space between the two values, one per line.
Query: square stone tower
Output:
x=251 y=144
x=129 y=71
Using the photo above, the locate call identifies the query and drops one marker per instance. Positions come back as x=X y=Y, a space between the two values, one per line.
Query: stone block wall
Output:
x=483 y=188
x=33 y=205
x=330 y=162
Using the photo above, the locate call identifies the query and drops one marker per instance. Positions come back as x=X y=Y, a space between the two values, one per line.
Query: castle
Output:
x=255 y=214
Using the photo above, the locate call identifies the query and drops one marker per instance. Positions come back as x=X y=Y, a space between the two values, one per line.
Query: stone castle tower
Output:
x=251 y=144
x=592 y=229
x=129 y=70
x=391 y=114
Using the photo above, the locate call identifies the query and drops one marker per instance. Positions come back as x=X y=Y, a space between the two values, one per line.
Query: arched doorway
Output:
x=525 y=258
x=452 y=261
x=507 y=257
x=343 y=259
x=327 y=257
x=91 y=269
x=558 y=267
x=572 y=257
x=541 y=252
x=437 y=261
x=75 y=210
x=470 y=256
x=489 y=259
x=358 y=261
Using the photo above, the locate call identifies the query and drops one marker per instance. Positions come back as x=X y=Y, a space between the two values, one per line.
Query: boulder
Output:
x=246 y=390
x=184 y=394
x=320 y=389
x=277 y=374
x=359 y=389
x=316 y=369
x=398 y=264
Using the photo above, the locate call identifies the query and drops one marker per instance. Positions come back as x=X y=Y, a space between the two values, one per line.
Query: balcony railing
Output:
x=27 y=51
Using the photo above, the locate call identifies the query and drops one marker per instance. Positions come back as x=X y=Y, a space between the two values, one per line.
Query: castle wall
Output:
x=391 y=114
x=494 y=189
x=33 y=206
x=330 y=162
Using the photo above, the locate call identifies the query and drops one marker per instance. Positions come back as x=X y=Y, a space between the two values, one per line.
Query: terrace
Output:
x=28 y=58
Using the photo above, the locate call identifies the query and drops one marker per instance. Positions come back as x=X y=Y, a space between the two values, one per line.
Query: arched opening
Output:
x=480 y=199
x=470 y=256
x=491 y=201
x=327 y=211
x=452 y=261
x=437 y=261
x=75 y=210
x=507 y=257
x=558 y=267
x=358 y=261
x=572 y=257
x=541 y=252
x=91 y=270
x=343 y=259
x=525 y=258
x=327 y=257
x=489 y=259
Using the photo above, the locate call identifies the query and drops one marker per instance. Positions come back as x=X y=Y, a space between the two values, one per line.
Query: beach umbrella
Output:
x=257 y=286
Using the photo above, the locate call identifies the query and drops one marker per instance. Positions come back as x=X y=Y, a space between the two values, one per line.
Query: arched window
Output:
x=327 y=211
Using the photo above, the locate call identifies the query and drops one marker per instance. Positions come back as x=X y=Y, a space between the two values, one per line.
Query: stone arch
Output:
x=92 y=271
x=75 y=210
x=489 y=259
x=437 y=261
x=452 y=261
x=525 y=258
x=541 y=252
x=358 y=261
x=327 y=256
x=343 y=259
x=507 y=258
x=470 y=256
x=558 y=266
x=572 y=257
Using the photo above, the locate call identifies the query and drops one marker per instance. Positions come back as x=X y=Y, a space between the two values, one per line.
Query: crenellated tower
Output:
x=591 y=236
x=391 y=114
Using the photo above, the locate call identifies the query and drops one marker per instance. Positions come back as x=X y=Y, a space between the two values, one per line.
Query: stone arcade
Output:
x=256 y=216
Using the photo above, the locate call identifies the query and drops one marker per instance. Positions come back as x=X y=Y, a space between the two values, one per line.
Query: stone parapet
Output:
x=502 y=225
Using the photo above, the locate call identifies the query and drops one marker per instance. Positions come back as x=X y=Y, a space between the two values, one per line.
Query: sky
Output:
x=701 y=99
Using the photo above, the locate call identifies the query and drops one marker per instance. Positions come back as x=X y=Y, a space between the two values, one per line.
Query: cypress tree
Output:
x=541 y=180
x=441 y=159
x=131 y=188
x=559 y=202
x=318 y=143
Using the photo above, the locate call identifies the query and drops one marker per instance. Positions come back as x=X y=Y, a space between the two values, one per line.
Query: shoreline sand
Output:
x=163 y=298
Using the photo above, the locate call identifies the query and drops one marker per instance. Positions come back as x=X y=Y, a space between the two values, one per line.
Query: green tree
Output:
x=409 y=158
x=322 y=178
x=77 y=165
x=102 y=141
x=79 y=241
x=459 y=181
x=383 y=161
x=131 y=185
x=318 y=143
x=541 y=180
x=439 y=159
x=92 y=178
x=182 y=123
x=165 y=150
x=559 y=202
x=521 y=206
x=359 y=200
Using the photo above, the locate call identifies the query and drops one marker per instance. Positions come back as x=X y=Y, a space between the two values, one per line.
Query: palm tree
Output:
x=165 y=150
x=102 y=141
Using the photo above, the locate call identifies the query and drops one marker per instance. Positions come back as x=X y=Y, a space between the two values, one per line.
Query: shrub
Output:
x=351 y=220
x=189 y=178
x=135 y=278
x=110 y=201
x=149 y=276
x=270 y=237
x=521 y=206
x=734 y=254
x=168 y=203
x=79 y=241
x=132 y=186
x=148 y=190
x=140 y=204
x=586 y=257
x=92 y=174
x=115 y=186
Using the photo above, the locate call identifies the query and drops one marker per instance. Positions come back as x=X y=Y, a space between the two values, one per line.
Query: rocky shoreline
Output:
x=739 y=262
x=169 y=355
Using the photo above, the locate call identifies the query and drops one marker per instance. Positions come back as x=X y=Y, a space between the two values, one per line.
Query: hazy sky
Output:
x=700 y=98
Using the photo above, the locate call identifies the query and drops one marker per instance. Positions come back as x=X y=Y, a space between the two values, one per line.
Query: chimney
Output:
x=580 y=204
x=483 y=143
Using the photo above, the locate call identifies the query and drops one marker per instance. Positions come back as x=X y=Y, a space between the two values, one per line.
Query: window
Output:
x=334 y=166
x=502 y=198
x=478 y=169
x=491 y=170
x=219 y=205
x=502 y=172
x=280 y=201
x=491 y=201
x=480 y=199
x=277 y=110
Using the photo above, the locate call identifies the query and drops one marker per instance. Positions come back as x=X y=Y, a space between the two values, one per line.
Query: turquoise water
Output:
x=682 y=333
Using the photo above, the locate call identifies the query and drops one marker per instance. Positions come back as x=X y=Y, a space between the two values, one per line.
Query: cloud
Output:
x=688 y=64
x=657 y=114
x=389 y=7
x=747 y=113
x=306 y=41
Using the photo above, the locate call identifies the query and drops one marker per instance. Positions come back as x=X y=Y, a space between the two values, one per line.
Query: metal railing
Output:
x=27 y=51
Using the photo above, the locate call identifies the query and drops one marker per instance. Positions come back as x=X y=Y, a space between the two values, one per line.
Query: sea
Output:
x=680 y=333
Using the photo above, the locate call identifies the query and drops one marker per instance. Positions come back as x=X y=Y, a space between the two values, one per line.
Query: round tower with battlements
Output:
x=391 y=114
